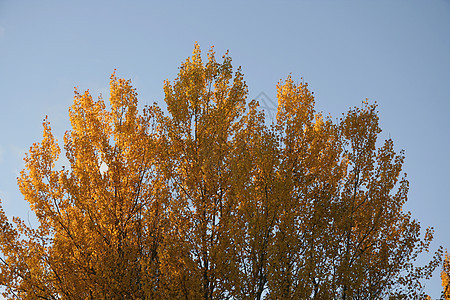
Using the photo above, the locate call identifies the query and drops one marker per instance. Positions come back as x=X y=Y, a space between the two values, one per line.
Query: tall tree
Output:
x=210 y=202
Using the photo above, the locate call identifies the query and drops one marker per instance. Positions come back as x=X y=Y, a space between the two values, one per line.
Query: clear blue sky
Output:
x=394 y=52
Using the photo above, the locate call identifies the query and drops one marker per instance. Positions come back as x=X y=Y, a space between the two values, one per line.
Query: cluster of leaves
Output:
x=445 y=276
x=209 y=202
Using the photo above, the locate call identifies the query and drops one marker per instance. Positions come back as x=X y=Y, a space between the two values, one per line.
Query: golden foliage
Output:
x=209 y=202
x=445 y=276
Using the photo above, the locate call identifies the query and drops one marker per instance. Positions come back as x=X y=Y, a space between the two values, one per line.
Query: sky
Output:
x=394 y=52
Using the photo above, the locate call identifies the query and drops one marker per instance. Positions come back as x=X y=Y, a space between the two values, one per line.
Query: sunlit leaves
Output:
x=209 y=202
x=445 y=276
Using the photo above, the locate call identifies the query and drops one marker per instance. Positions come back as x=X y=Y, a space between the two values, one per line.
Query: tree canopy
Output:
x=208 y=201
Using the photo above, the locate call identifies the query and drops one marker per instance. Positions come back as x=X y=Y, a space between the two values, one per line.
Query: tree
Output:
x=445 y=276
x=209 y=202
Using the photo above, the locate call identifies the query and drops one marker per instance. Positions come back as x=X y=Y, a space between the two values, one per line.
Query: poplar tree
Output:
x=208 y=201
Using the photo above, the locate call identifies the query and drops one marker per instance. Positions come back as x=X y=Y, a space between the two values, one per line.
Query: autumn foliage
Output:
x=207 y=201
x=445 y=276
